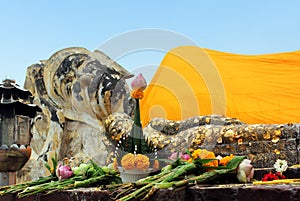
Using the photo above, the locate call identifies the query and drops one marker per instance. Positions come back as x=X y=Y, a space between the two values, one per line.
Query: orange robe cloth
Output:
x=192 y=81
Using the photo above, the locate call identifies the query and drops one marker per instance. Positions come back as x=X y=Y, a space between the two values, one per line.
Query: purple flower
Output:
x=63 y=172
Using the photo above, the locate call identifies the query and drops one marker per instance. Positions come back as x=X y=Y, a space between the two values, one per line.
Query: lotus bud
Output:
x=245 y=171
x=139 y=83
x=185 y=157
x=63 y=172
x=174 y=156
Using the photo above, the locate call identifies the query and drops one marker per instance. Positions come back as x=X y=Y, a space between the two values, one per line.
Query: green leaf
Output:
x=235 y=161
x=48 y=167
x=115 y=180
x=54 y=162
x=203 y=161
x=99 y=170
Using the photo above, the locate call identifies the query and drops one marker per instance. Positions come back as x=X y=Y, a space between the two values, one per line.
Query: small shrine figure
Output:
x=16 y=114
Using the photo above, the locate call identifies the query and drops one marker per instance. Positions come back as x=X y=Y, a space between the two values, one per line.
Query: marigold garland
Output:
x=204 y=154
x=137 y=94
x=131 y=161
x=225 y=160
x=141 y=162
x=127 y=161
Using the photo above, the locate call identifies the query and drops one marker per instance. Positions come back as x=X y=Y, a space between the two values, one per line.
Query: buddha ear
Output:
x=107 y=61
x=33 y=73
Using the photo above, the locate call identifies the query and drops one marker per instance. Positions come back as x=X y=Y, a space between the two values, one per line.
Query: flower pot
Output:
x=133 y=175
x=12 y=160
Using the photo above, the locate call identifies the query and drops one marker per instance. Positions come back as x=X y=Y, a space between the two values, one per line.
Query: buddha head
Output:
x=86 y=86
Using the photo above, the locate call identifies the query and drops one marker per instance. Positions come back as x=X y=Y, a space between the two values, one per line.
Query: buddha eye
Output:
x=66 y=70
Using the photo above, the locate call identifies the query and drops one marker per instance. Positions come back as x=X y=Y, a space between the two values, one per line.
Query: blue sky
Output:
x=33 y=30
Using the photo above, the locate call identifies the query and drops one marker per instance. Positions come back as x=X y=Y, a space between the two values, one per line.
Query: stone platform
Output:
x=206 y=192
x=236 y=192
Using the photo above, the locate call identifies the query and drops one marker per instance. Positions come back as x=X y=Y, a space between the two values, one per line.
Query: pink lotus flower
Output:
x=182 y=156
x=139 y=83
x=245 y=171
x=63 y=172
x=185 y=157
x=174 y=156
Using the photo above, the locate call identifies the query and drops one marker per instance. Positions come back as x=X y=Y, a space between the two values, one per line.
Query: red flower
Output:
x=273 y=176
x=280 y=175
x=270 y=177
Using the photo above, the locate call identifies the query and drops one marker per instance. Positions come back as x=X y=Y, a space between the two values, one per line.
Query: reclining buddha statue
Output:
x=87 y=107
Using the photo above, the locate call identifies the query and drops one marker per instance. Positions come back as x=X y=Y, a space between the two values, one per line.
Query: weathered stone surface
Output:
x=237 y=192
x=76 y=89
x=203 y=192
x=242 y=192
x=88 y=194
x=262 y=143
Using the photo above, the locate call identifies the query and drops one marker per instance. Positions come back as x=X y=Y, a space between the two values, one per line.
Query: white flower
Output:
x=245 y=171
x=280 y=165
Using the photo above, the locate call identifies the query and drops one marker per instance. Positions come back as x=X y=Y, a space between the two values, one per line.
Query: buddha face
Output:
x=87 y=84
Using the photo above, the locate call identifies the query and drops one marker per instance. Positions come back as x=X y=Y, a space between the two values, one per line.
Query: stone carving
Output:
x=87 y=109
x=76 y=89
